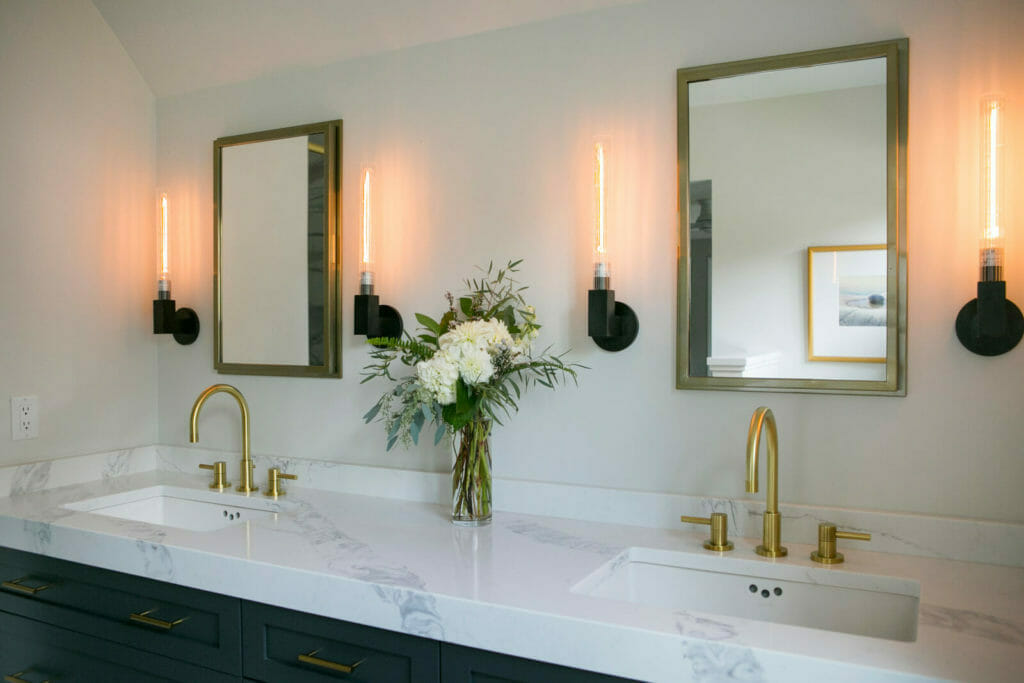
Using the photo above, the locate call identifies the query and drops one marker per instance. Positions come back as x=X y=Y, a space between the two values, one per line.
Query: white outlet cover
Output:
x=24 y=417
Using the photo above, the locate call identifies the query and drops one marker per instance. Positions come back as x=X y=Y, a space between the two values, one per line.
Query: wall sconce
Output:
x=183 y=323
x=612 y=324
x=372 y=318
x=991 y=324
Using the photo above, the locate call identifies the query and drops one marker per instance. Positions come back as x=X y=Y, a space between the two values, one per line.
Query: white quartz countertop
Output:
x=506 y=587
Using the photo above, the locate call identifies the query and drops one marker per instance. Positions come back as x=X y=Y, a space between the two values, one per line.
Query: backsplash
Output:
x=923 y=535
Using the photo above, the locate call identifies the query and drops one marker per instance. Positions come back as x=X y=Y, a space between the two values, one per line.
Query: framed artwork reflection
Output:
x=847 y=308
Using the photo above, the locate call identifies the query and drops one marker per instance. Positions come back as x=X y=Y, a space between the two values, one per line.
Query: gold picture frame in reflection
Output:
x=847 y=307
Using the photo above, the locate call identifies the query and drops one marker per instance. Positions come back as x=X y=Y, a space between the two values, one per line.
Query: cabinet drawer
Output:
x=32 y=651
x=281 y=645
x=196 y=626
x=467 y=665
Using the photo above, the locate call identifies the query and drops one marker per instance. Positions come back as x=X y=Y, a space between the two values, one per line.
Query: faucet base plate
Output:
x=826 y=560
x=781 y=551
x=718 y=548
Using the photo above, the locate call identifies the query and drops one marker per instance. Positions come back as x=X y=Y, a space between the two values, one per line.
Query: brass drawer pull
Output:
x=144 y=618
x=16 y=678
x=17 y=585
x=311 y=658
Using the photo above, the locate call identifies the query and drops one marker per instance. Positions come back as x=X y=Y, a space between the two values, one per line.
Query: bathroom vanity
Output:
x=317 y=582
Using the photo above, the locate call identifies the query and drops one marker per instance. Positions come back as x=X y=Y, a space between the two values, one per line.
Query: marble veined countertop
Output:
x=401 y=565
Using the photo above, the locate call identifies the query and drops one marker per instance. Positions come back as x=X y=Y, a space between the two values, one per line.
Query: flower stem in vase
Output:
x=471 y=475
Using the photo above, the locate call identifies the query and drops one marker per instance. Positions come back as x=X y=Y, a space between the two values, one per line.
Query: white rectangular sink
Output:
x=824 y=598
x=180 y=508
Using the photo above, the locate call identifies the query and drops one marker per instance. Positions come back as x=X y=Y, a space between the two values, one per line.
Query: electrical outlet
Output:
x=24 y=417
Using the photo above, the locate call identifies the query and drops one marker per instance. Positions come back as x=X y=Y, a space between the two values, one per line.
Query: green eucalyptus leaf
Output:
x=428 y=323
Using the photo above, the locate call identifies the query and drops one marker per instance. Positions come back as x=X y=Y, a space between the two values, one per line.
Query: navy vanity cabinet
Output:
x=184 y=624
x=33 y=651
x=74 y=623
x=283 y=645
x=468 y=665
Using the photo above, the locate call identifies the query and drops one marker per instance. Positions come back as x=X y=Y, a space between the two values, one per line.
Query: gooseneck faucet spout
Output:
x=246 y=480
x=771 y=544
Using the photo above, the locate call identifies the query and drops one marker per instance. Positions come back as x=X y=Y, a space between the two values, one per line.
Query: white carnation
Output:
x=475 y=366
x=484 y=335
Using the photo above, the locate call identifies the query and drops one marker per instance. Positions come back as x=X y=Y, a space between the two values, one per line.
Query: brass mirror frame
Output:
x=895 y=53
x=332 y=131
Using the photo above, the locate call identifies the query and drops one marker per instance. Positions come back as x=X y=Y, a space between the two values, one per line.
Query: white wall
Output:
x=481 y=148
x=787 y=173
x=77 y=232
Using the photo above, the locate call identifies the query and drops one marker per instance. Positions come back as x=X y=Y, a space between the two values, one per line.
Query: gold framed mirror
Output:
x=277 y=252
x=792 y=269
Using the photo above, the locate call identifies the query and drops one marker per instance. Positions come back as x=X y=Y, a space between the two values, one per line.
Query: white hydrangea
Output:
x=438 y=375
x=475 y=366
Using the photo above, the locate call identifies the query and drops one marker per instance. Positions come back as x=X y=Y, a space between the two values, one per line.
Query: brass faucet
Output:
x=771 y=545
x=246 y=480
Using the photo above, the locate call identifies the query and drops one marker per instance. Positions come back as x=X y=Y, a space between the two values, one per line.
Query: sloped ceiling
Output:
x=184 y=45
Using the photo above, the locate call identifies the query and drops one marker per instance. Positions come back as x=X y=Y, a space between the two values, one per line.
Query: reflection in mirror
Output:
x=275 y=286
x=789 y=171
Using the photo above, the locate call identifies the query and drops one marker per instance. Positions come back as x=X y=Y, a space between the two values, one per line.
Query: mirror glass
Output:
x=276 y=216
x=792 y=256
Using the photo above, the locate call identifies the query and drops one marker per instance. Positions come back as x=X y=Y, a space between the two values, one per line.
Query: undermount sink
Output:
x=180 y=508
x=829 y=599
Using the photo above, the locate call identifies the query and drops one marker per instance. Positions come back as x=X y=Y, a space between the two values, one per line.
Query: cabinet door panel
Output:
x=199 y=627
x=32 y=651
x=282 y=645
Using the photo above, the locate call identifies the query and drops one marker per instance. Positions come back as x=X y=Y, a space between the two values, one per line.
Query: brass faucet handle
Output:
x=274 y=475
x=719 y=523
x=220 y=474
x=827 y=535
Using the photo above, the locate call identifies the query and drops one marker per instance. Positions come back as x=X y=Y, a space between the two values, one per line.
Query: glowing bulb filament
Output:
x=367 y=218
x=599 y=182
x=163 y=236
x=992 y=224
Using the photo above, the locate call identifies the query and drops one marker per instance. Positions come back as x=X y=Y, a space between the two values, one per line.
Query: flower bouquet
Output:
x=471 y=368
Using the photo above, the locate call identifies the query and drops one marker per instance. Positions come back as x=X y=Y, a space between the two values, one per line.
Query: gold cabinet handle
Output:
x=16 y=678
x=719 y=523
x=144 y=618
x=827 y=535
x=311 y=658
x=17 y=585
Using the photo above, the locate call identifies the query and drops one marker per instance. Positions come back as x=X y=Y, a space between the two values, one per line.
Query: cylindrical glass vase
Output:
x=471 y=475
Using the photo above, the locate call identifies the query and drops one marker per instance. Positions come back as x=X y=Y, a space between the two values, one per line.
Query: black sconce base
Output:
x=612 y=324
x=389 y=322
x=990 y=325
x=375 y=319
x=182 y=323
x=186 y=322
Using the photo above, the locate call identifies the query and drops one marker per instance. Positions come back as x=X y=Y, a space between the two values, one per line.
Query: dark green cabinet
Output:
x=33 y=651
x=283 y=645
x=68 y=622
x=181 y=623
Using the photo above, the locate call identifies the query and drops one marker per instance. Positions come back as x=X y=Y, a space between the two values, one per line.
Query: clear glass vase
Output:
x=471 y=475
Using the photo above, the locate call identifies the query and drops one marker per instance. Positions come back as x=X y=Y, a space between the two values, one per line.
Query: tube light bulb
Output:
x=366 y=255
x=993 y=123
x=602 y=266
x=163 y=287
